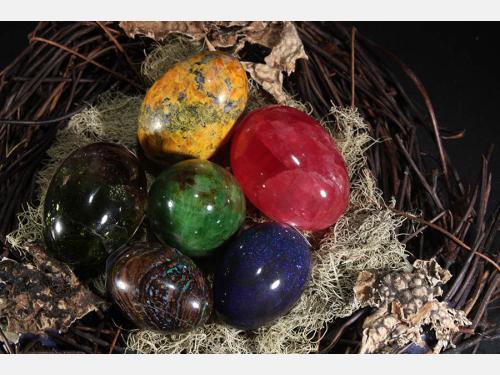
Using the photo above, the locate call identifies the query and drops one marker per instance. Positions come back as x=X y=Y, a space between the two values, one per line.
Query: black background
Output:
x=458 y=62
x=459 y=66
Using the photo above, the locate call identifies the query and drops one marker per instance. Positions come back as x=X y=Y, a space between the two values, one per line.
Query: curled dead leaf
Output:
x=405 y=302
x=281 y=38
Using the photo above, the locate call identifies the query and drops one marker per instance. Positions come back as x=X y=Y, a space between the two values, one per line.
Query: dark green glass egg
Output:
x=195 y=206
x=94 y=204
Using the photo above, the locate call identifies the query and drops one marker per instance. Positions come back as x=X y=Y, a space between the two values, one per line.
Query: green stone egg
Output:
x=94 y=204
x=195 y=206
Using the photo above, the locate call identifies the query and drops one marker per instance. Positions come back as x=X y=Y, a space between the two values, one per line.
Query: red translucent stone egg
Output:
x=290 y=168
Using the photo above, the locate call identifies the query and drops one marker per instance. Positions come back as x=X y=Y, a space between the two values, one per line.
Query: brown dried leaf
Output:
x=159 y=30
x=41 y=295
x=267 y=34
x=287 y=51
x=281 y=37
x=271 y=79
x=221 y=34
x=406 y=301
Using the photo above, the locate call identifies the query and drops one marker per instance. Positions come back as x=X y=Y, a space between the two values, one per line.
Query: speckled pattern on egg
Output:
x=190 y=110
x=159 y=288
x=261 y=276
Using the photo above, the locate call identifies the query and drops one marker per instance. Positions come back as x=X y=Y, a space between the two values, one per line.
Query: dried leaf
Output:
x=267 y=34
x=405 y=302
x=159 y=30
x=281 y=37
x=287 y=51
x=221 y=34
x=42 y=294
x=271 y=79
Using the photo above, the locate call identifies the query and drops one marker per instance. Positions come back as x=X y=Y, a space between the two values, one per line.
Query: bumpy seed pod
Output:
x=406 y=303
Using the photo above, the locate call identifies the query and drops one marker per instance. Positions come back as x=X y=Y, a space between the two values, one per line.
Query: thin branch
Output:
x=353 y=67
x=421 y=229
x=41 y=122
x=89 y=60
x=115 y=339
x=118 y=46
x=447 y=234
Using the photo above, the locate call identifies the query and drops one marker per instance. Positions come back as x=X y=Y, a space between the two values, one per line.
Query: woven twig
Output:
x=46 y=84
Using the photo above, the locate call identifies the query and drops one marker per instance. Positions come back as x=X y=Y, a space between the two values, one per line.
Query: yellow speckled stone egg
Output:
x=190 y=110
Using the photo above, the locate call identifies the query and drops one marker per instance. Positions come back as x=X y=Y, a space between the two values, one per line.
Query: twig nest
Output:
x=406 y=301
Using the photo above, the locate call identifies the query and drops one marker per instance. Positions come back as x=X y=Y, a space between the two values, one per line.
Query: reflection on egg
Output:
x=195 y=206
x=94 y=204
x=261 y=275
x=290 y=168
x=158 y=288
x=191 y=109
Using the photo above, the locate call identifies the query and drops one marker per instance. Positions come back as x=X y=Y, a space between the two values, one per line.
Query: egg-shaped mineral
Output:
x=190 y=110
x=289 y=167
x=261 y=275
x=94 y=204
x=195 y=206
x=159 y=288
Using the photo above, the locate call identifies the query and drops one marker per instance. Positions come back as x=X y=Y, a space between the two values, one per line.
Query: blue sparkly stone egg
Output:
x=261 y=276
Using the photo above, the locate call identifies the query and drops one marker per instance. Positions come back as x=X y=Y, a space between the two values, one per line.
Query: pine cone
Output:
x=406 y=301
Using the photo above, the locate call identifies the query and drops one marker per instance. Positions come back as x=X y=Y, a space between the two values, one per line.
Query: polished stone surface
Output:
x=261 y=275
x=159 y=288
x=190 y=110
x=290 y=168
x=195 y=206
x=94 y=204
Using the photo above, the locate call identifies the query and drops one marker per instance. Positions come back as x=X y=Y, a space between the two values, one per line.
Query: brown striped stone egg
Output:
x=159 y=288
